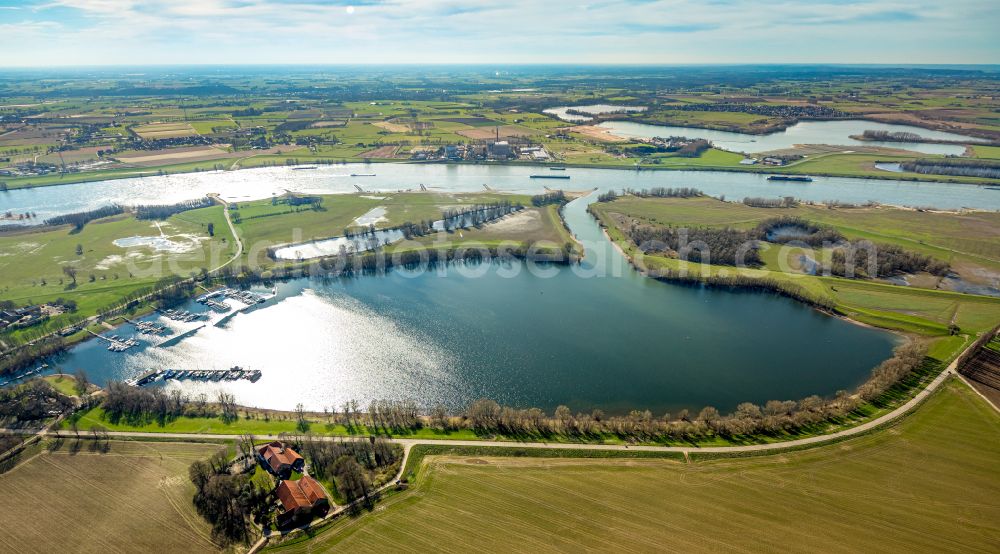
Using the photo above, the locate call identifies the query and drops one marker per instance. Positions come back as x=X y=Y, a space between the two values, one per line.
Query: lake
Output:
x=597 y=335
x=805 y=132
x=562 y=112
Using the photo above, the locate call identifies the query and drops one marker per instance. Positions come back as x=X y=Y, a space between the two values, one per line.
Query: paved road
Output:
x=232 y=229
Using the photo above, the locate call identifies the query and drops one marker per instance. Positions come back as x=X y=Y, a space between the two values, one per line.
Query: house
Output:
x=301 y=499
x=773 y=161
x=280 y=459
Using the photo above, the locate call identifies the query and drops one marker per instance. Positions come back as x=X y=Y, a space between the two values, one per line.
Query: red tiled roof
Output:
x=304 y=493
x=277 y=455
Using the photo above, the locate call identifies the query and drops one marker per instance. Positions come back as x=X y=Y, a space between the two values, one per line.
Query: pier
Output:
x=148 y=327
x=115 y=343
x=235 y=373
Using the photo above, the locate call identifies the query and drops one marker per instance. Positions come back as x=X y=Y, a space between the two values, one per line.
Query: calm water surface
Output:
x=805 y=132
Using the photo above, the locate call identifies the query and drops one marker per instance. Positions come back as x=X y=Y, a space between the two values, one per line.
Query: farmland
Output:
x=47 y=137
x=87 y=498
x=865 y=493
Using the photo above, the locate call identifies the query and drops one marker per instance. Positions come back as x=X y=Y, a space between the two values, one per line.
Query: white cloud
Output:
x=403 y=31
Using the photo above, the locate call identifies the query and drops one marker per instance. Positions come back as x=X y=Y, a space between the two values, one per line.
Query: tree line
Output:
x=166 y=210
x=989 y=169
x=473 y=216
x=758 y=202
x=79 y=219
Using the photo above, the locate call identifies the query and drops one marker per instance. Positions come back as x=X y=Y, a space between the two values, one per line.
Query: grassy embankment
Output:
x=135 y=496
x=966 y=241
x=927 y=483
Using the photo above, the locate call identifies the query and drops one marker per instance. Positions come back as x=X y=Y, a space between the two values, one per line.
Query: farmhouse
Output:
x=279 y=459
x=301 y=499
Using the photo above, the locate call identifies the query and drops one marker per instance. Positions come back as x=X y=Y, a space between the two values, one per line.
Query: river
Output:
x=264 y=182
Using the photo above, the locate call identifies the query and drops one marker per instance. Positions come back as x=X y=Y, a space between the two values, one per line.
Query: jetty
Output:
x=235 y=373
x=148 y=327
x=797 y=178
x=116 y=343
x=180 y=315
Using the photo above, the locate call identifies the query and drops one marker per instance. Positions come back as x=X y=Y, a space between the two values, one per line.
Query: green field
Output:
x=927 y=484
x=966 y=241
x=135 y=497
x=32 y=261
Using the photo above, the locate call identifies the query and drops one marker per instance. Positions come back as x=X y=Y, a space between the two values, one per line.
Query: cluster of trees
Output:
x=693 y=149
x=394 y=415
x=27 y=355
x=316 y=202
x=226 y=500
x=357 y=467
x=165 y=211
x=866 y=259
x=554 y=197
x=891 y=136
x=758 y=202
x=989 y=169
x=32 y=400
x=79 y=219
x=457 y=218
x=801 y=230
x=419 y=229
x=655 y=192
x=666 y=192
x=698 y=244
x=141 y=406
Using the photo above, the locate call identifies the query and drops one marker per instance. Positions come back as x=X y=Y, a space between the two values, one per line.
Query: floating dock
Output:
x=235 y=373
x=24 y=375
x=148 y=327
x=797 y=178
x=116 y=343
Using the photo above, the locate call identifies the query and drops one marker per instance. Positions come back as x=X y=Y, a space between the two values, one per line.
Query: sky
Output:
x=144 y=32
